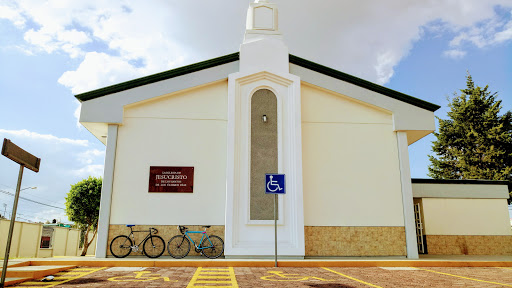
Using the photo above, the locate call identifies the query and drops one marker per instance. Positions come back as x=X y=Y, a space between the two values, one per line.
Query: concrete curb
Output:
x=267 y=263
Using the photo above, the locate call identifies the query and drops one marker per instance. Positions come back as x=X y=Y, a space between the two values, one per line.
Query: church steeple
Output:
x=262 y=21
x=263 y=48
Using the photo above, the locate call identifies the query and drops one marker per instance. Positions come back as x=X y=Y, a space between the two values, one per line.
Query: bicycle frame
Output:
x=200 y=241
x=133 y=237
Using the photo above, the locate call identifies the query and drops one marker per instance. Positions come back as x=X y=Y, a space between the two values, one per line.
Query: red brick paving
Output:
x=304 y=277
x=420 y=278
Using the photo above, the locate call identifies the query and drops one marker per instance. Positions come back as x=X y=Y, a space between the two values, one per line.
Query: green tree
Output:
x=476 y=141
x=83 y=207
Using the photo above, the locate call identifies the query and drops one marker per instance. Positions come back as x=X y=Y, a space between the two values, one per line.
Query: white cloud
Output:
x=384 y=68
x=65 y=40
x=138 y=36
x=367 y=38
x=484 y=33
x=454 y=54
x=88 y=76
x=505 y=34
x=88 y=156
x=76 y=114
x=95 y=170
x=48 y=137
x=50 y=214
x=13 y=15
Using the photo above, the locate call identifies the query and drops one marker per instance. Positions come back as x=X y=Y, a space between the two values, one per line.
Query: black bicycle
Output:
x=153 y=246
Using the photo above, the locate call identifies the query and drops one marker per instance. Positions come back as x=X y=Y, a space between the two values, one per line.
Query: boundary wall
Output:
x=27 y=240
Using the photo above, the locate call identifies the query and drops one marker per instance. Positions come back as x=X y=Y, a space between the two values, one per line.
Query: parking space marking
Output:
x=352 y=278
x=77 y=272
x=280 y=276
x=399 y=268
x=453 y=275
x=212 y=276
x=140 y=276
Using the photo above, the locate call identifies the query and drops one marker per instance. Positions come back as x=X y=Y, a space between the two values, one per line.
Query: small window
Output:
x=45 y=242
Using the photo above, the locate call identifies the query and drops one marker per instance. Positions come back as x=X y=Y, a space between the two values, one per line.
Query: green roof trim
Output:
x=158 y=77
x=235 y=57
x=458 y=181
x=363 y=83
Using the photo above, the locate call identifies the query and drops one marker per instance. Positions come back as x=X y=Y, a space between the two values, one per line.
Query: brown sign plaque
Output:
x=20 y=156
x=167 y=179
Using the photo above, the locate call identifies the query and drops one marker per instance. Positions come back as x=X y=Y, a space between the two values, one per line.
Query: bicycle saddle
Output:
x=207 y=226
x=130 y=225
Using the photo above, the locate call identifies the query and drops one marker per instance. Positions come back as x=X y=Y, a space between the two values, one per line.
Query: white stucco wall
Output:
x=448 y=216
x=453 y=190
x=187 y=128
x=350 y=162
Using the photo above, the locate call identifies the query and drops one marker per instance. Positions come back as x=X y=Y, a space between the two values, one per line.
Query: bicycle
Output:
x=209 y=246
x=153 y=246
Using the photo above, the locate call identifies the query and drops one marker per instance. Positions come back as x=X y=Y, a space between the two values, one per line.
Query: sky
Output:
x=52 y=50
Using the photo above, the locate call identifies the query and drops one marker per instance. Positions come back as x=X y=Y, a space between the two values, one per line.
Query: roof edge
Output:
x=158 y=77
x=459 y=181
x=235 y=57
x=363 y=83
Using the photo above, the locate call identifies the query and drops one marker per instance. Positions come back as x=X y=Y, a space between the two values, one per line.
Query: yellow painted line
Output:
x=442 y=273
x=216 y=286
x=505 y=268
x=55 y=283
x=351 y=278
x=63 y=278
x=82 y=269
x=209 y=269
x=200 y=274
x=34 y=283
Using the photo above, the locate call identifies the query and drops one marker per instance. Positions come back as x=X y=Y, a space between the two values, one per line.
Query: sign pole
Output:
x=11 y=227
x=274 y=184
x=25 y=159
x=275 y=227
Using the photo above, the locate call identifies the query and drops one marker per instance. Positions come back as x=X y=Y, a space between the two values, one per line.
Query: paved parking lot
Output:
x=327 y=277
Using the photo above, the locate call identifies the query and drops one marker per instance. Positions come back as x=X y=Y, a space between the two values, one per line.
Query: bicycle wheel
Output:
x=178 y=247
x=215 y=248
x=154 y=246
x=121 y=246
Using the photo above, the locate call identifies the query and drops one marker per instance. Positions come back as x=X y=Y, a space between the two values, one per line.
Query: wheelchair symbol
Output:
x=273 y=183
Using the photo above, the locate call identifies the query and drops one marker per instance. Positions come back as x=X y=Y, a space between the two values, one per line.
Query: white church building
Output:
x=191 y=146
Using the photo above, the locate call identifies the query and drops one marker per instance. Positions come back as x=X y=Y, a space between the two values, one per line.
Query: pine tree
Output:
x=475 y=142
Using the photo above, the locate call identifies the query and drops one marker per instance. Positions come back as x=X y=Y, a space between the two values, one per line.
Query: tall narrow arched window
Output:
x=263 y=152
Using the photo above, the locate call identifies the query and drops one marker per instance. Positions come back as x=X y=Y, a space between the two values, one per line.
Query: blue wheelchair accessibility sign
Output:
x=274 y=184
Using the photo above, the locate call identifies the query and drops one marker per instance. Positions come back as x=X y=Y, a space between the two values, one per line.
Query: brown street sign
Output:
x=31 y=162
x=20 y=156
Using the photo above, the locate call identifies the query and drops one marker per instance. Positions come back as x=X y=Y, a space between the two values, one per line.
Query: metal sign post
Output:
x=275 y=184
x=25 y=159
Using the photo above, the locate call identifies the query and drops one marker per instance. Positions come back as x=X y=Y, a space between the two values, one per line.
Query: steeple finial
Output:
x=262 y=21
